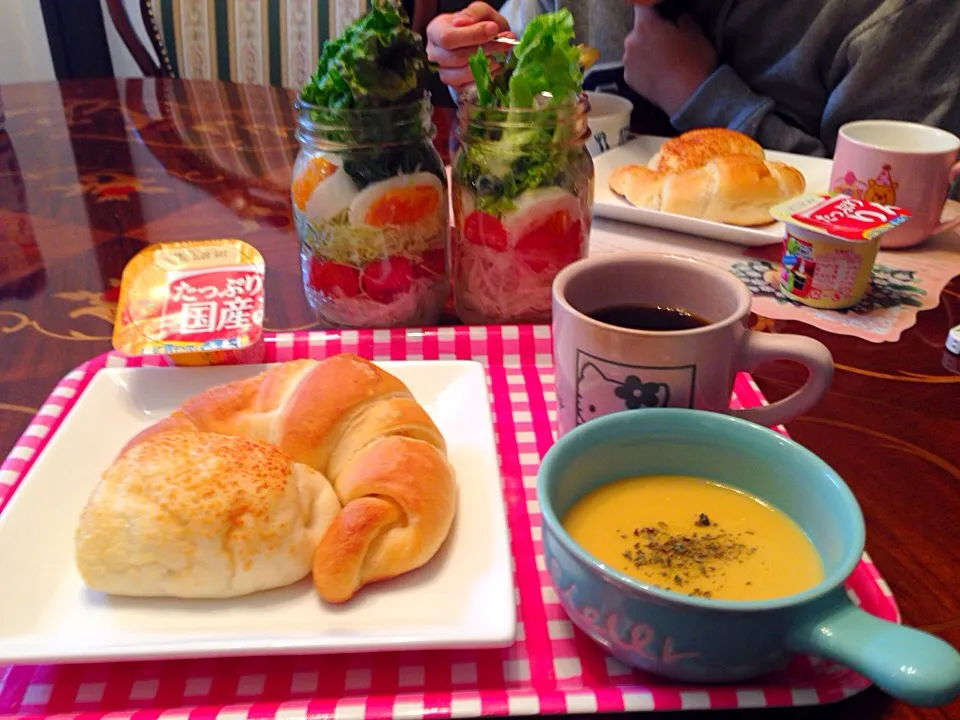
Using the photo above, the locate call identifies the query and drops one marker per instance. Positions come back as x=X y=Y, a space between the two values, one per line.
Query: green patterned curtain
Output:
x=264 y=42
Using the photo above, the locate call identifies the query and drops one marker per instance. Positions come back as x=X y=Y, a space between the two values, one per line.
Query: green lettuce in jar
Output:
x=508 y=151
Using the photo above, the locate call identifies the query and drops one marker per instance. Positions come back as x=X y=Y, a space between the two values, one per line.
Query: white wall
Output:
x=24 y=51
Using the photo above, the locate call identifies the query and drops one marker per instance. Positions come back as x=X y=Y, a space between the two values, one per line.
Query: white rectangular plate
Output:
x=464 y=597
x=608 y=204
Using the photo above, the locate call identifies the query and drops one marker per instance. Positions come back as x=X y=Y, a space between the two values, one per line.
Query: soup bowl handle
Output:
x=913 y=666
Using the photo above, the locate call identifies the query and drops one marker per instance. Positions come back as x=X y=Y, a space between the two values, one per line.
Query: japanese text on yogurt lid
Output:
x=191 y=298
x=841 y=216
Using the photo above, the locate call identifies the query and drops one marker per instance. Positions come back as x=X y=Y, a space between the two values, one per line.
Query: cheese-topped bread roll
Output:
x=193 y=514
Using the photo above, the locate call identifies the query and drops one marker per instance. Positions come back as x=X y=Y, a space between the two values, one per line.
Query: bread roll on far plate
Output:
x=695 y=148
x=734 y=189
x=200 y=515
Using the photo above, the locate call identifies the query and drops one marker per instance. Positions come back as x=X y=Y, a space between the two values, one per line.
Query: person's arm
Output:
x=900 y=66
x=725 y=100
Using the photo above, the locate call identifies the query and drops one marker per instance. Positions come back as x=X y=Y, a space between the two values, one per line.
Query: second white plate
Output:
x=608 y=204
x=464 y=597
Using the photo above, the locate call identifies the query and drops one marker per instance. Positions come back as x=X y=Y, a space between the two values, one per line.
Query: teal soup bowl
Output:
x=696 y=639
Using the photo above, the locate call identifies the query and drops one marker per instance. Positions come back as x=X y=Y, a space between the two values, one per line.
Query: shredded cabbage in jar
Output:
x=338 y=240
x=492 y=285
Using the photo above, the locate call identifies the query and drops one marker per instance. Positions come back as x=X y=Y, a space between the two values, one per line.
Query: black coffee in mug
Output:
x=648 y=317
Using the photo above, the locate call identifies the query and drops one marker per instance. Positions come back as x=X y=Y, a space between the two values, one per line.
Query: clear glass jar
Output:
x=522 y=204
x=370 y=207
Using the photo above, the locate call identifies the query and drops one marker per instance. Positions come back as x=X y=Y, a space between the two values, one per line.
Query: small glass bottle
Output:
x=370 y=207
x=522 y=190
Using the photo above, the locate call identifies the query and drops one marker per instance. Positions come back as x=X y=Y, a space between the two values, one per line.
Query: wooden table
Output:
x=93 y=171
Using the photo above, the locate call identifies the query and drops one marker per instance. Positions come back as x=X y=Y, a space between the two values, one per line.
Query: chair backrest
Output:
x=263 y=42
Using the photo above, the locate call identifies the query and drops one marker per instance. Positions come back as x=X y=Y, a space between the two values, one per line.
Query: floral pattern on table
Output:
x=889 y=287
x=111 y=186
x=80 y=304
x=101 y=305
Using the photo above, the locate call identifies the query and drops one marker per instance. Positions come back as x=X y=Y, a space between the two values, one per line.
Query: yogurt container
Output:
x=830 y=246
x=196 y=303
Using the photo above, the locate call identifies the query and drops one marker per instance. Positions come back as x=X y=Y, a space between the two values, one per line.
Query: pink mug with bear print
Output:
x=899 y=163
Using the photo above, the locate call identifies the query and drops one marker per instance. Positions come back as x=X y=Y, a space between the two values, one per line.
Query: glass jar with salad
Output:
x=369 y=189
x=522 y=178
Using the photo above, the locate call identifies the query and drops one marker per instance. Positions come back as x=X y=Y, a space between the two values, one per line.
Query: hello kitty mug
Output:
x=898 y=163
x=603 y=368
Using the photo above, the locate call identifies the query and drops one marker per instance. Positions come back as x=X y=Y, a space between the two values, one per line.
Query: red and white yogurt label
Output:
x=842 y=216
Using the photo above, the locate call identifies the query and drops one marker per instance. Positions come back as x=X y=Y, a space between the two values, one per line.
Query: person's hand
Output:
x=663 y=62
x=453 y=37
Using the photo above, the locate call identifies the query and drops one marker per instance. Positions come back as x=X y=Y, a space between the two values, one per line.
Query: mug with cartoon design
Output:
x=603 y=368
x=609 y=122
x=899 y=163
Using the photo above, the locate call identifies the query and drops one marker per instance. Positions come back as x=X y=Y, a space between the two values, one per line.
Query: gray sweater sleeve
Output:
x=899 y=64
x=724 y=100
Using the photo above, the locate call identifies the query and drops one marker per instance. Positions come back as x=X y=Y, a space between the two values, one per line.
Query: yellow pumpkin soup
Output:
x=696 y=537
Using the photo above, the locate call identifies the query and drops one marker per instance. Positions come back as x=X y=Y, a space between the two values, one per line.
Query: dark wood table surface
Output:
x=92 y=171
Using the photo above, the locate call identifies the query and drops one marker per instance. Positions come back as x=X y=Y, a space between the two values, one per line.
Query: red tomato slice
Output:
x=334 y=279
x=384 y=280
x=432 y=262
x=483 y=229
x=573 y=240
x=553 y=242
x=546 y=235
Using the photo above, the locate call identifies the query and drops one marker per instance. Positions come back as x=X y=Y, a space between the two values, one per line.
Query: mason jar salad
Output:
x=369 y=189
x=522 y=178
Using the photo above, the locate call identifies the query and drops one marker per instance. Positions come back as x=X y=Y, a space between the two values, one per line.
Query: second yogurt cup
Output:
x=830 y=246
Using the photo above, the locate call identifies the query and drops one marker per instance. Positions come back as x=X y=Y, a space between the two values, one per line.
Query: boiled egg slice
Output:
x=401 y=200
x=535 y=208
x=323 y=189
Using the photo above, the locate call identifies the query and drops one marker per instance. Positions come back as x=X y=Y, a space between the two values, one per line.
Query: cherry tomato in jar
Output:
x=431 y=262
x=553 y=242
x=485 y=230
x=333 y=278
x=384 y=280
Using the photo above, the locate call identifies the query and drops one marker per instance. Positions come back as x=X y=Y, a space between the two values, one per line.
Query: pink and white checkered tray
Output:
x=552 y=667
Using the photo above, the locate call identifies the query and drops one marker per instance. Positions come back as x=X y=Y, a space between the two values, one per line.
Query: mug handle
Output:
x=760 y=347
x=955 y=222
x=913 y=666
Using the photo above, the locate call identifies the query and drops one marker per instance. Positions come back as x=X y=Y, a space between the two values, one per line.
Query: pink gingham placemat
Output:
x=552 y=667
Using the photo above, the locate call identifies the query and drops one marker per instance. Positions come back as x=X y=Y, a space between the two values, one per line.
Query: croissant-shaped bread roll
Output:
x=734 y=189
x=361 y=428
